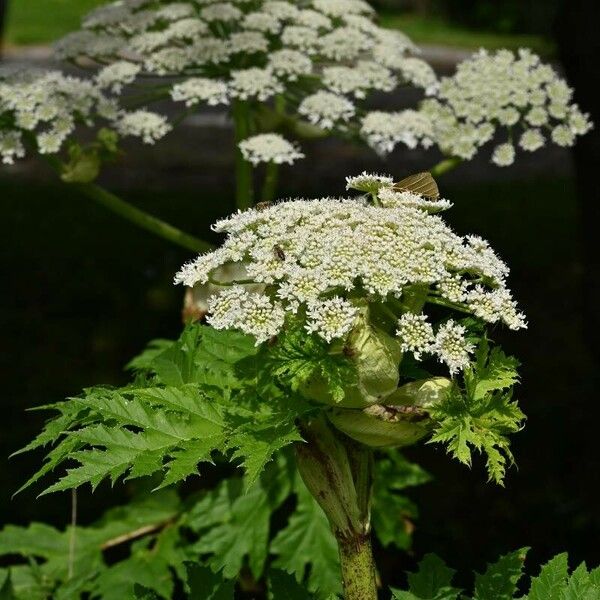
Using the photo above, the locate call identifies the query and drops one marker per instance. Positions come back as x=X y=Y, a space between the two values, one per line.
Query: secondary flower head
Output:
x=325 y=56
x=515 y=95
x=47 y=106
x=269 y=148
x=324 y=261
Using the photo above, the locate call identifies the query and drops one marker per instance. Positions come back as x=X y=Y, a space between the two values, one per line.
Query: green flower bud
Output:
x=376 y=356
x=402 y=421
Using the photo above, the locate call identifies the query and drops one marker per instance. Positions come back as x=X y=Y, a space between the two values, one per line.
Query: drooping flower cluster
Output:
x=323 y=56
x=503 y=92
x=320 y=261
x=44 y=107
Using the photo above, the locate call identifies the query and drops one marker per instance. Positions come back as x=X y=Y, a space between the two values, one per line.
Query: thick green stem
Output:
x=448 y=164
x=358 y=568
x=243 y=169
x=271 y=181
x=338 y=473
x=142 y=219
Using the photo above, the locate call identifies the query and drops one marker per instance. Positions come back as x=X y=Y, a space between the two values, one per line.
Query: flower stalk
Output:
x=142 y=219
x=244 y=195
x=338 y=473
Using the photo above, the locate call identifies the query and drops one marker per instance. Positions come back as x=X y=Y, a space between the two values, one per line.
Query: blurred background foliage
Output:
x=84 y=291
x=462 y=23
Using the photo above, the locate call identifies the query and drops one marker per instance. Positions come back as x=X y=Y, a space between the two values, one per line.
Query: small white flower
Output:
x=254 y=83
x=201 y=89
x=368 y=182
x=452 y=347
x=11 y=146
x=326 y=110
x=415 y=334
x=290 y=64
x=383 y=130
x=269 y=147
x=563 y=136
x=149 y=126
x=332 y=318
x=115 y=76
x=262 y=21
x=504 y=155
x=221 y=11
x=532 y=140
x=248 y=42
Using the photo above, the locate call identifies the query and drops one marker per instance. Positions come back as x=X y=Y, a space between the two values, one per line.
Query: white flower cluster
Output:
x=326 y=55
x=498 y=91
x=46 y=107
x=320 y=260
x=269 y=148
x=449 y=344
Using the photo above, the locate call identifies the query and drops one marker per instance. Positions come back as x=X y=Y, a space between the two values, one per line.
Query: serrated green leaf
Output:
x=283 y=586
x=499 y=582
x=143 y=593
x=581 y=586
x=307 y=543
x=433 y=580
x=392 y=513
x=482 y=415
x=298 y=358
x=203 y=584
x=548 y=585
x=144 y=361
x=236 y=524
x=7 y=591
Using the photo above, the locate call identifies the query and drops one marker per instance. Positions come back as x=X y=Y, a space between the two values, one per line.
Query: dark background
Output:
x=83 y=292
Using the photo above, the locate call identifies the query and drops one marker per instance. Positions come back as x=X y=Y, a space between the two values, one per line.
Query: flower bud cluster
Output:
x=503 y=92
x=320 y=260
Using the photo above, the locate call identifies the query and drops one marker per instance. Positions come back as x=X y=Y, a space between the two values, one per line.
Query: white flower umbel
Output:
x=201 y=89
x=332 y=318
x=115 y=76
x=324 y=56
x=326 y=110
x=320 y=261
x=506 y=93
x=384 y=131
x=504 y=155
x=46 y=105
x=451 y=346
x=149 y=126
x=416 y=334
x=269 y=148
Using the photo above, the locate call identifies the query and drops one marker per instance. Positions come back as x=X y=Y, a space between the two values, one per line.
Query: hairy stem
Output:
x=338 y=473
x=358 y=568
x=444 y=166
x=141 y=218
x=243 y=169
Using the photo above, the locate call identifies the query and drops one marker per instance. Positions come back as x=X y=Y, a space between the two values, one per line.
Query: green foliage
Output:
x=298 y=358
x=481 y=413
x=433 y=581
x=85 y=162
x=149 y=523
x=393 y=512
x=199 y=395
x=307 y=544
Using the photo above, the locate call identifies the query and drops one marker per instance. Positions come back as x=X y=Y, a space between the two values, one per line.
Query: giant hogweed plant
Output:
x=338 y=331
x=284 y=71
